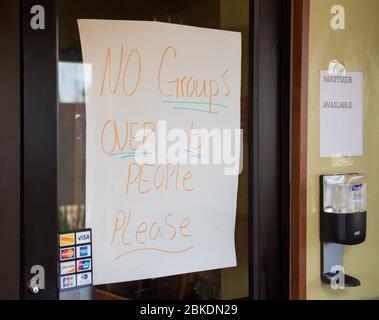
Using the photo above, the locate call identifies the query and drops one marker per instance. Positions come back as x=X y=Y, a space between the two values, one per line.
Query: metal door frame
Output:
x=10 y=150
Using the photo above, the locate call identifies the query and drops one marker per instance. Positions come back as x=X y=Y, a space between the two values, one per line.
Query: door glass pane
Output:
x=231 y=283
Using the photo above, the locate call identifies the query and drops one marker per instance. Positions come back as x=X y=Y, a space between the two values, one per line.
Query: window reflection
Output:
x=71 y=81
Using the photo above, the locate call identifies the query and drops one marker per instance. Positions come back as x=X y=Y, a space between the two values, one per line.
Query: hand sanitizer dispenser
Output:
x=342 y=221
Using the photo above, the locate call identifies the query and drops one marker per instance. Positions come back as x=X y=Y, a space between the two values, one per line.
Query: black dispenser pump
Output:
x=342 y=222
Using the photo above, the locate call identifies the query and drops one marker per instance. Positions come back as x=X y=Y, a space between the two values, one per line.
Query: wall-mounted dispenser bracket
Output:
x=331 y=260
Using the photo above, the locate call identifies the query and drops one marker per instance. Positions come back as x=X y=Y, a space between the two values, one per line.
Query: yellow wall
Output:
x=357 y=48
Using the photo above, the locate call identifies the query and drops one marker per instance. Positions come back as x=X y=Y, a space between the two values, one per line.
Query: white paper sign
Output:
x=341 y=108
x=156 y=220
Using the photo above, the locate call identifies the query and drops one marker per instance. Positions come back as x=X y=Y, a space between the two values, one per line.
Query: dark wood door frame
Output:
x=299 y=108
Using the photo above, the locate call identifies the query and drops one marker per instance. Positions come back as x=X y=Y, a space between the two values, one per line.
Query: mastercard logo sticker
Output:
x=67 y=254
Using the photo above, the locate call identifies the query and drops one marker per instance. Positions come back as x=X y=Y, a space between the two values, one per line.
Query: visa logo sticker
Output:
x=83 y=237
x=83 y=265
x=67 y=254
x=84 y=279
x=83 y=251
x=67 y=239
x=356 y=187
x=67 y=267
x=68 y=282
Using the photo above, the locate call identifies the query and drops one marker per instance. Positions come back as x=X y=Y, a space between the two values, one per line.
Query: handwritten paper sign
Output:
x=341 y=114
x=157 y=219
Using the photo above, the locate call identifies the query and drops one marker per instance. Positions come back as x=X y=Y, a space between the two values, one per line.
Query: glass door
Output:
x=229 y=283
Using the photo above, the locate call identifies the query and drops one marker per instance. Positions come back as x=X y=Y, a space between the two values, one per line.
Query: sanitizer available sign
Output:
x=341 y=114
x=163 y=147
